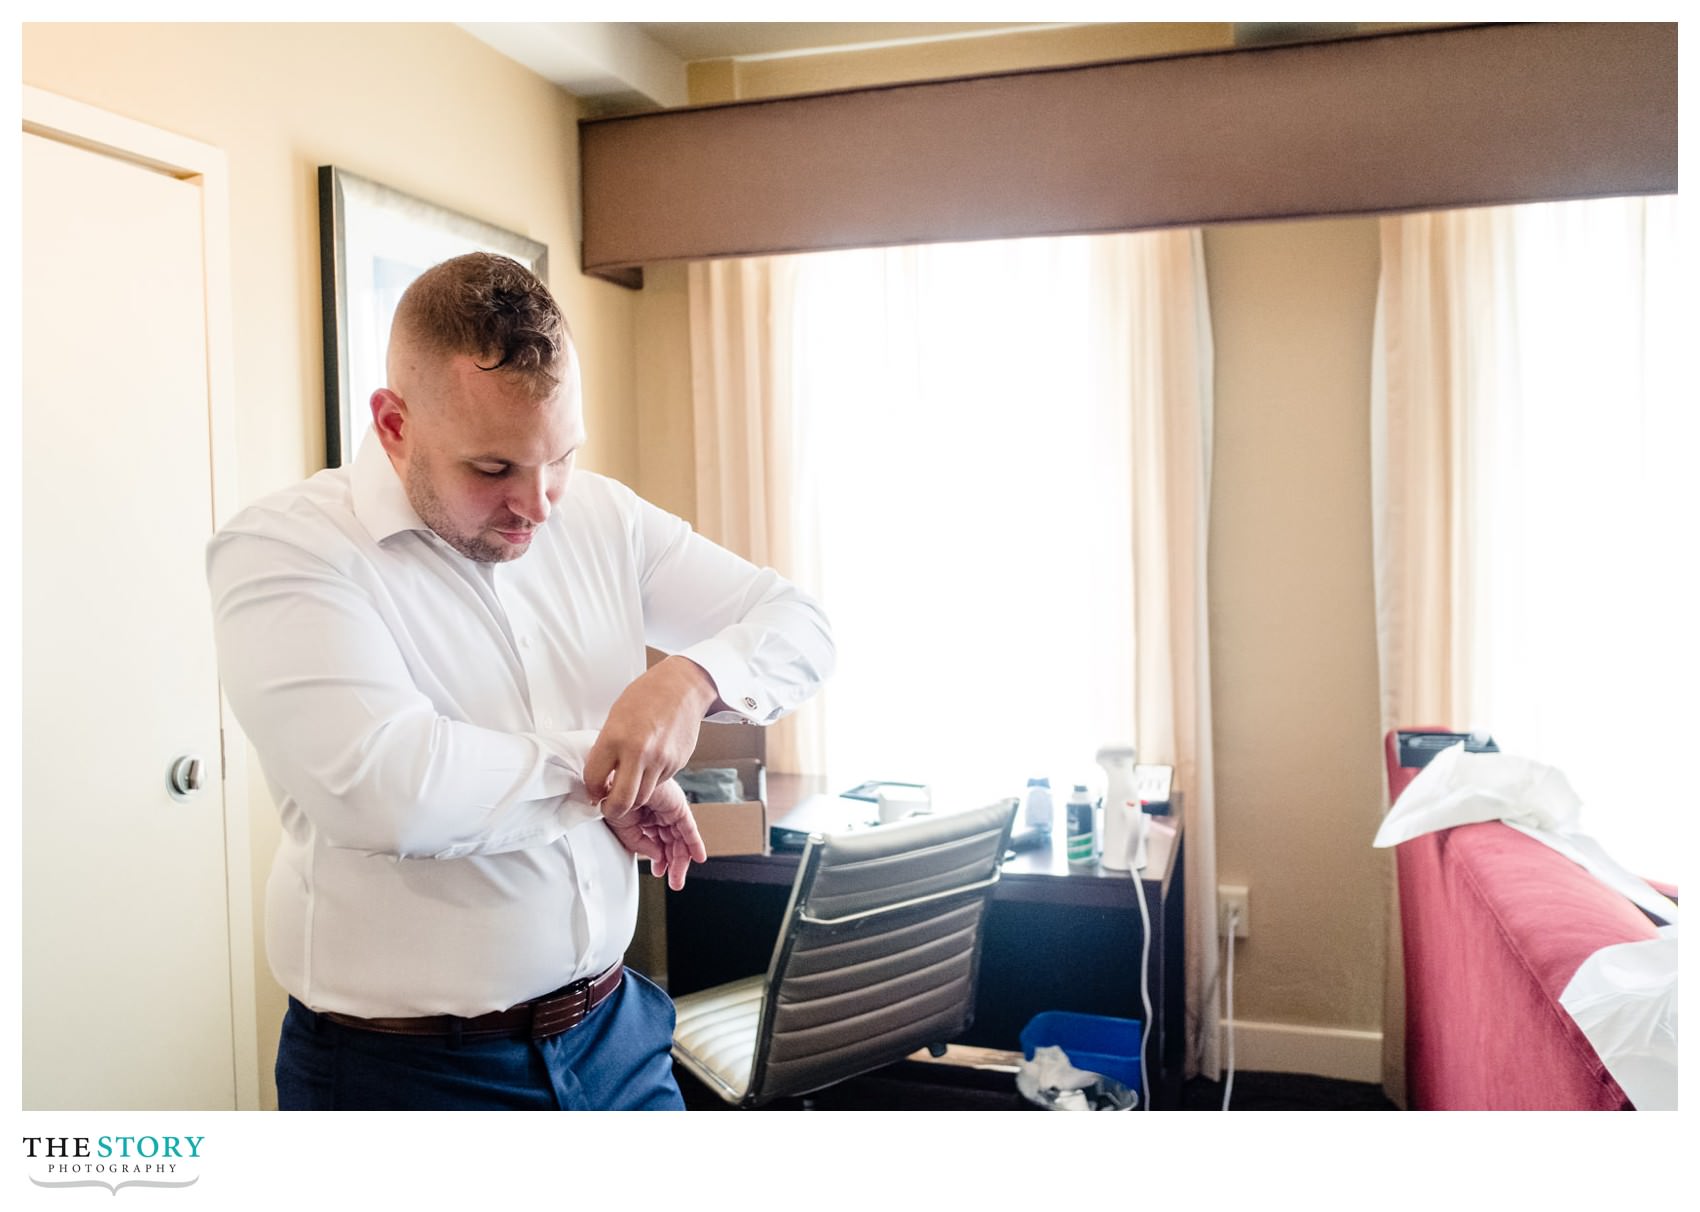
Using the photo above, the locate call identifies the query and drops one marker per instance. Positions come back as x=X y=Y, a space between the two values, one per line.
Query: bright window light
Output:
x=1582 y=536
x=968 y=469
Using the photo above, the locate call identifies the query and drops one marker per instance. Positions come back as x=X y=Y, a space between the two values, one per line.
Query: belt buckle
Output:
x=561 y=1010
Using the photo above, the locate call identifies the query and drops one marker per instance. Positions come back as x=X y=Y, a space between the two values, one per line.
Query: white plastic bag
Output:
x=1461 y=788
x=1624 y=999
x=1051 y=1081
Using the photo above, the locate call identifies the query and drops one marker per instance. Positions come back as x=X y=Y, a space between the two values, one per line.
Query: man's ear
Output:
x=390 y=419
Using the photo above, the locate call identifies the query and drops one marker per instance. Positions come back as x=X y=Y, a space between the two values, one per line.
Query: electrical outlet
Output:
x=1230 y=899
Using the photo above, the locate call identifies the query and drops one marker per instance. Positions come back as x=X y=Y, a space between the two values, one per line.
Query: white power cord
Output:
x=1144 y=984
x=1233 y=924
x=1145 y=992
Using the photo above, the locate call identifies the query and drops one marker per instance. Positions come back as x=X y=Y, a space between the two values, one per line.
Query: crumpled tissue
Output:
x=1624 y=999
x=1462 y=788
x=1050 y=1080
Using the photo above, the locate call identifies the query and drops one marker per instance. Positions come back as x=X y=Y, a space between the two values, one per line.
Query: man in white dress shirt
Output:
x=438 y=652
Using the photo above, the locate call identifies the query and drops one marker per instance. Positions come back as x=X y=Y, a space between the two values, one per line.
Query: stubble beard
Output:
x=429 y=506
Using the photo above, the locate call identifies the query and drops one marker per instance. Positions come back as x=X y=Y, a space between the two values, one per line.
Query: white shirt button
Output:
x=525 y=641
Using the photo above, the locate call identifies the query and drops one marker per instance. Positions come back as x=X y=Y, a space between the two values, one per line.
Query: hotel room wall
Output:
x=1291 y=579
x=1292 y=617
x=426 y=109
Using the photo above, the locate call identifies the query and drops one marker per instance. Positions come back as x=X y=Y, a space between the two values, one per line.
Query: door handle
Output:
x=184 y=778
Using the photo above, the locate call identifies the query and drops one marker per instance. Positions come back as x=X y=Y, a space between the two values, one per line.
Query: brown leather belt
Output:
x=539 y=1018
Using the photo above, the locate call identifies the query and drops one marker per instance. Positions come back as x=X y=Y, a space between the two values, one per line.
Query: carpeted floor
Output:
x=1286 y=1092
x=910 y=1086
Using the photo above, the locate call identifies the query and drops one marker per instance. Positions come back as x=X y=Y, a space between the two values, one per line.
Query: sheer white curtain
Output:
x=750 y=458
x=1535 y=499
x=997 y=482
x=978 y=522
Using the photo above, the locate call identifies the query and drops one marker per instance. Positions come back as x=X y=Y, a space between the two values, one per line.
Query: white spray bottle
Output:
x=1124 y=819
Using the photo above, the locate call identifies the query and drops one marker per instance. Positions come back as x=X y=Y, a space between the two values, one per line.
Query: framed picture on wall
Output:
x=373 y=241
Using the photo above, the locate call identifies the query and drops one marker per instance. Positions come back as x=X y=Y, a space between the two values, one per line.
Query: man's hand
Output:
x=663 y=831
x=650 y=734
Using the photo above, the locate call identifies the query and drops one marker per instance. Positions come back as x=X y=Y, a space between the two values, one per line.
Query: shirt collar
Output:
x=380 y=500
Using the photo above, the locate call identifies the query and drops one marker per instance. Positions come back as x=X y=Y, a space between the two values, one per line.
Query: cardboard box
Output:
x=735 y=828
x=739 y=828
x=730 y=829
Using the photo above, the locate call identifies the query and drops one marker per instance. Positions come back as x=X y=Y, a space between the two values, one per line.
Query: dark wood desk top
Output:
x=1031 y=875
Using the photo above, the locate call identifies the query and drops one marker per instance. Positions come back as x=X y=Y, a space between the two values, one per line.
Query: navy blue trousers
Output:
x=617 y=1059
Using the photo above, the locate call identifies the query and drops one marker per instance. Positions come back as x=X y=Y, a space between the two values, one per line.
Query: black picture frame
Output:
x=373 y=241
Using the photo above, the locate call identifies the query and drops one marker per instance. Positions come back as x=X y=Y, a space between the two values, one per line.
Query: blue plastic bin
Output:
x=1094 y=1042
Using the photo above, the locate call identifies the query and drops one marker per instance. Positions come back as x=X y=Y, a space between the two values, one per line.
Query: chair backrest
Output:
x=880 y=950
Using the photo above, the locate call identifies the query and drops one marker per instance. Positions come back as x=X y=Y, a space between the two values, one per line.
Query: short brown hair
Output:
x=492 y=309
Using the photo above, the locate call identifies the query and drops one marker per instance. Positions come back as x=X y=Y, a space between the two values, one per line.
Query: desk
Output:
x=1055 y=938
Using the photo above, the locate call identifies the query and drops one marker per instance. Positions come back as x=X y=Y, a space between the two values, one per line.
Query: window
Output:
x=1562 y=499
x=966 y=442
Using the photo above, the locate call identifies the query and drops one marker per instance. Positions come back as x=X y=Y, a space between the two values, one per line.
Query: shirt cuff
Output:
x=745 y=699
x=570 y=750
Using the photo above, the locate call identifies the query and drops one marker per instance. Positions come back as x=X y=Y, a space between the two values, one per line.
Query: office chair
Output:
x=878 y=955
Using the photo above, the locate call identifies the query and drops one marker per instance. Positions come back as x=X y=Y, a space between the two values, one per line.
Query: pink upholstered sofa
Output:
x=1494 y=926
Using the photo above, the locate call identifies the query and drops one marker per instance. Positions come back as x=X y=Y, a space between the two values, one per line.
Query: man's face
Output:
x=483 y=460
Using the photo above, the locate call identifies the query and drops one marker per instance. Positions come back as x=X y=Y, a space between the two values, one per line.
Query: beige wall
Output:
x=1295 y=683
x=1292 y=617
x=426 y=109
x=667 y=455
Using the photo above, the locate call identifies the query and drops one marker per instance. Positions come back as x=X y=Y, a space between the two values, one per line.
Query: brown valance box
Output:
x=1414 y=120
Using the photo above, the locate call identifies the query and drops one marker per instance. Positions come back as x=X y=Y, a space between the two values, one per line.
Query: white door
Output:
x=127 y=992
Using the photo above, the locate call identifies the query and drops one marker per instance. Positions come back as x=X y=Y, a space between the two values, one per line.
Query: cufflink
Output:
x=749 y=703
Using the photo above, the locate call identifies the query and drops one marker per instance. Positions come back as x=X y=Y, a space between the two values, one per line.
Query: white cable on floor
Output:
x=1144 y=985
x=1233 y=924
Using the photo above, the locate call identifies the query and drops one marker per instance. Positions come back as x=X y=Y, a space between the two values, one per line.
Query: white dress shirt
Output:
x=423 y=721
